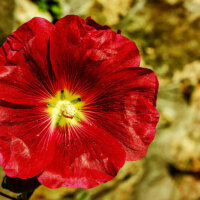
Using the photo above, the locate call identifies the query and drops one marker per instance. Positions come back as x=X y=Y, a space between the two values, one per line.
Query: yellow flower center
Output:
x=65 y=108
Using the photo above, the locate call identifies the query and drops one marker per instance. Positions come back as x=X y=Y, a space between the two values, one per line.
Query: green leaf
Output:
x=83 y=196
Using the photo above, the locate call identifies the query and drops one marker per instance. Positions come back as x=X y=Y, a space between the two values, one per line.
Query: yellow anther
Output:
x=68 y=110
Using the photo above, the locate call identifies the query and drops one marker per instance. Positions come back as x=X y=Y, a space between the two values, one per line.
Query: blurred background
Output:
x=167 y=33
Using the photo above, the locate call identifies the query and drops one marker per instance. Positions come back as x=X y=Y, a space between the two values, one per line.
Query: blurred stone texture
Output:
x=167 y=33
x=13 y=13
x=26 y=10
x=7 y=20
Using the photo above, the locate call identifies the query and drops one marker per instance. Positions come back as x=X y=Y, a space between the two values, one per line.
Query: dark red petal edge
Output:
x=86 y=156
x=89 y=21
x=125 y=106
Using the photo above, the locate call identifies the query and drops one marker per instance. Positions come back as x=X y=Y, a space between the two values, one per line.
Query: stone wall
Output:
x=7 y=21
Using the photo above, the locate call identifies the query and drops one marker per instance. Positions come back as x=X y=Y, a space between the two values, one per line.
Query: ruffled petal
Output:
x=89 y=21
x=37 y=27
x=26 y=145
x=108 y=52
x=27 y=141
x=67 y=48
x=20 y=86
x=125 y=106
x=79 y=49
x=25 y=70
x=2 y=56
x=86 y=156
x=111 y=51
x=4 y=149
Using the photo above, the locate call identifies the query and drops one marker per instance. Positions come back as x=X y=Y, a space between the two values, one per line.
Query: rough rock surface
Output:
x=75 y=7
x=13 y=13
x=7 y=20
x=26 y=10
x=183 y=149
x=109 y=12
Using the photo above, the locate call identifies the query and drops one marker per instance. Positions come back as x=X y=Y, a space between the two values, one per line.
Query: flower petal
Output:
x=4 y=149
x=25 y=71
x=78 y=49
x=89 y=21
x=20 y=86
x=125 y=107
x=86 y=157
x=27 y=144
x=67 y=46
x=108 y=52
x=37 y=27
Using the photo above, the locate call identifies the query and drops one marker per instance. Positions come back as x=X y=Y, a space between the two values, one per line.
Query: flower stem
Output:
x=24 y=196
x=7 y=196
x=24 y=187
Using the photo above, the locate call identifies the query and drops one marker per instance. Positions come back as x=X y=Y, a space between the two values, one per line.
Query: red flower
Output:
x=74 y=103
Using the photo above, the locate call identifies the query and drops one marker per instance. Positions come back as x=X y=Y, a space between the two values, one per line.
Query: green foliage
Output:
x=83 y=196
x=51 y=6
x=42 y=4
